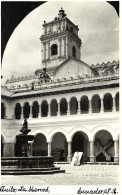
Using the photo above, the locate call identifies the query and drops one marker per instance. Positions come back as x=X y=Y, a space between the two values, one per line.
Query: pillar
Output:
x=66 y=47
x=8 y=149
x=22 y=112
x=48 y=50
x=30 y=152
x=69 y=157
x=49 y=114
x=68 y=108
x=59 y=47
x=116 y=151
x=13 y=113
x=79 y=111
x=40 y=113
x=114 y=104
x=44 y=51
x=49 y=148
x=90 y=106
x=31 y=112
x=58 y=113
x=102 y=105
x=91 y=158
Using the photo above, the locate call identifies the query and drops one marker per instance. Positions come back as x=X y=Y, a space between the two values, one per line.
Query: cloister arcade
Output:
x=62 y=107
x=104 y=146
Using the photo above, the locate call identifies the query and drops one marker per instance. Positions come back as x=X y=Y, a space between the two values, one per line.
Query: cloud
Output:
x=98 y=28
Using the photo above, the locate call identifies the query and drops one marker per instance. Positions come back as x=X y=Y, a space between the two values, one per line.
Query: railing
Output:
x=63 y=83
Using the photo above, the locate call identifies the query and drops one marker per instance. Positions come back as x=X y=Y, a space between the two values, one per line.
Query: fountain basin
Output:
x=28 y=165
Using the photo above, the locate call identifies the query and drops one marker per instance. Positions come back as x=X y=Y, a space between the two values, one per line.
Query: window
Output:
x=74 y=52
x=54 y=49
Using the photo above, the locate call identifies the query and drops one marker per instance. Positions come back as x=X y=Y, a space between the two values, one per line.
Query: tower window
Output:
x=74 y=51
x=54 y=49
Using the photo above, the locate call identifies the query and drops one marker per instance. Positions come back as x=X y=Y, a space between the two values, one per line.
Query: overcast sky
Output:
x=98 y=29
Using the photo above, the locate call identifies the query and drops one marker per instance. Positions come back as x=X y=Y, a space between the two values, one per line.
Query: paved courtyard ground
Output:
x=78 y=175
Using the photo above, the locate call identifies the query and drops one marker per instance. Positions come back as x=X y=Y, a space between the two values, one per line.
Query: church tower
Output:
x=59 y=41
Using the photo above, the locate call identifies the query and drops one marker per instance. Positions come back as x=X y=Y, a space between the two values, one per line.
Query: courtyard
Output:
x=74 y=175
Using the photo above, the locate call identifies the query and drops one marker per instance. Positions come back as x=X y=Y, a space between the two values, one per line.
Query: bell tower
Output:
x=59 y=41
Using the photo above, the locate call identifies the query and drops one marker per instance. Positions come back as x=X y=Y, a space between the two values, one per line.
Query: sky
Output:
x=98 y=29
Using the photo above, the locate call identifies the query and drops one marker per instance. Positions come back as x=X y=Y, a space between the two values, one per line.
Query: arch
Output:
x=74 y=51
x=17 y=111
x=104 y=146
x=35 y=132
x=63 y=106
x=117 y=101
x=73 y=105
x=40 y=145
x=54 y=49
x=57 y=130
x=80 y=143
x=59 y=147
x=44 y=108
x=102 y=127
x=77 y=129
x=54 y=107
x=96 y=103
x=35 y=109
x=26 y=110
x=84 y=105
x=108 y=102
x=3 y=110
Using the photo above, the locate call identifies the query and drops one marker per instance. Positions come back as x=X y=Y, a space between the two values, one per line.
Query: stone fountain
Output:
x=24 y=138
x=26 y=164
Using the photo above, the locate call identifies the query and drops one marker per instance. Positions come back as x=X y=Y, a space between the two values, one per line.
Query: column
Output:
x=91 y=158
x=44 y=51
x=40 y=114
x=22 y=112
x=66 y=47
x=49 y=113
x=90 y=106
x=102 y=105
x=59 y=47
x=58 y=113
x=30 y=152
x=69 y=157
x=13 y=113
x=114 y=104
x=116 y=151
x=31 y=112
x=68 y=108
x=79 y=111
x=48 y=49
x=49 y=148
